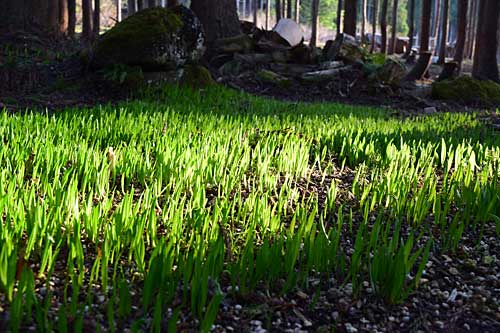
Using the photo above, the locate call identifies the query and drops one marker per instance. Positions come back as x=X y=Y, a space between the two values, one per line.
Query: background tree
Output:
x=485 y=56
x=444 y=32
x=350 y=17
x=96 y=24
x=436 y=13
x=87 y=19
x=219 y=18
x=151 y=3
x=278 y=10
x=339 y=16
x=363 y=19
x=297 y=11
x=411 y=26
x=374 y=26
x=289 y=7
x=314 y=22
x=461 y=34
x=118 y=10
x=131 y=7
x=268 y=14
x=383 y=26
x=425 y=25
x=71 y=18
x=394 y=29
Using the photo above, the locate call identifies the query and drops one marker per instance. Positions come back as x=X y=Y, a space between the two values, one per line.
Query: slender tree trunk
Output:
x=411 y=27
x=462 y=28
x=268 y=14
x=314 y=23
x=383 y=26
x=63 y=17
x=435 y=22
x=172 y=3
x=118 y=10
x=444 y=33
x=151 y=3
x=350 y=17
x=289 y=7
x=425 y=25
x=71 y=18
x=219 y=18
x=87 y=19
x=363 y=19
x=97 y=18
x=130 y=7
x=255 y=9
x=374 y=26
x=485 y=56
x=394 y=29
x=340 y=6
x=278 y=10
x=297 y=11
x=140 y=5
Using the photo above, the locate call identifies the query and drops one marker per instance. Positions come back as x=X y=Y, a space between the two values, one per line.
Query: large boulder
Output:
x=290 y=31
x=154 y=39
x=468 y=90
x=345 y=48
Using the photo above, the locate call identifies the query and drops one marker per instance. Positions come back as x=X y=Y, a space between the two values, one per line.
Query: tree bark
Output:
x=140 y=5
x=151 y=3
x=350 y=17
x=255 y=9
x=289 y=9
x=363 y=19
x=425 y=25
x=340 y=6
x=411 y=27
x=297 y=11
x=53 y=15
x=130 y=7
x=314 y=23
x=87 y=19
x=383 y=26
x=392 y=45
x=219 y=18
x=97 y=19
x=71 y=18
x=485 y=56
x=63 y=17
x=278 y=10
x=374 y=26
x=444 y=33
x=462 y=28
x=268 y=14
x=435 y=22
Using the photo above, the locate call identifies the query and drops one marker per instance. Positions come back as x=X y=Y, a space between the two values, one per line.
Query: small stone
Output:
x=237 y=307
x=453 y=271
x=439 y=324
x=406 y=319
x=392 y=319
x=350 y=329
x=430 y=110
x=466 y=327
x=335 y=315
x=487 y=260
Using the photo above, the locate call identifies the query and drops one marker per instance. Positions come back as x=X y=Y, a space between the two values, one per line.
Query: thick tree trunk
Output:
x=444 y=33
x=219 y=18
x=374 y=26
x=97 y=18
x=131 y=7
x=383 y=26
x=485 y=57
x=53 y=15
x=71 y=18
x=339 y=16
x=87 y=19
x=297 y=11
x=461 y=35
x=411 y=26
x=350 y=17
x=394 y=29
x=425 y=25
x=314 y=23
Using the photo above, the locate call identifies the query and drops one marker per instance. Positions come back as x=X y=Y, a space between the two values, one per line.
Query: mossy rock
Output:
x=154 y=39
x=467 y=89
x=196 y=76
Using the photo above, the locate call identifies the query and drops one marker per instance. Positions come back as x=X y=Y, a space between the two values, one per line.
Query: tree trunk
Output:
x=444 y=33
x=118 y=10
x=340 y=6
x=71 y=18
x=435 y=22
x=151 y=3
x=278 y=10
x=140 y=5
x=374 y=26
x=130 y=7
x=289 y=9
x=297 y=11
x=350 y=16
x=383 y=26
x=268 y=14
x=87 y=19
x=255 y=9
x=63 y=17
x=97 y=19
x=53 y=15
x=462 y=28
x=425 y=25
x=314 y=23
x=392 y=45
x=363 y=19
x=411 y=28
x=219 y=18
x=485 y=56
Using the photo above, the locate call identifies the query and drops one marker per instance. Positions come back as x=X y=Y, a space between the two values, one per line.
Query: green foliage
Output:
x=124 y=75
x=187 y=190
x=467 y=89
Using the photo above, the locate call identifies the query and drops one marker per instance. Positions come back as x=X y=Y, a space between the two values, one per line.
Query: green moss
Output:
x=196 y=76
x=467 y=89
x=129 y=37
x=274 y=78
